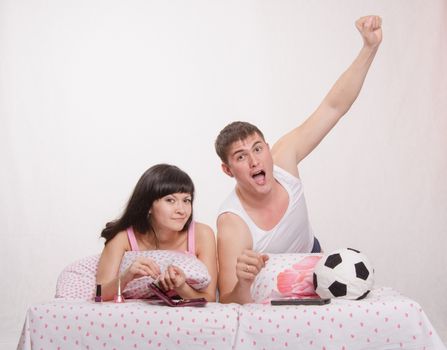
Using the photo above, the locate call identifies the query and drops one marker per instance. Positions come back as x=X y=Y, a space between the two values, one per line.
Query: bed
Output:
x=384 y=320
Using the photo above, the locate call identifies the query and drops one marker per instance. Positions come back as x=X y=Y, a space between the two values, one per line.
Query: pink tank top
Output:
x=190 y=233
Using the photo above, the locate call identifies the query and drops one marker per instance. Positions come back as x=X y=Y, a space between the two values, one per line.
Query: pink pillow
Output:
x=197 y=275
x=78 y=280
x=285 y=275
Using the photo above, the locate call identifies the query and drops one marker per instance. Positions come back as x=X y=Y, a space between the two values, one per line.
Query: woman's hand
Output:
x=370 y=27
x=142 y=267
x=172 y=279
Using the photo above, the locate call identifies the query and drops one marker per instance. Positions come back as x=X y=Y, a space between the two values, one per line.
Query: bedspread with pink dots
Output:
x=383 y=320
x=135 y=324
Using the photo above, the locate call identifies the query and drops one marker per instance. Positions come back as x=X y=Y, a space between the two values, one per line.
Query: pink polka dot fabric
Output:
x=135 y=324
x=197 y=275
x=78 y=280
x=285 y=275
x=385 y=320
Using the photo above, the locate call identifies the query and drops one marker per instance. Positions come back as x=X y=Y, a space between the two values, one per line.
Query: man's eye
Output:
x=241 y=157
x=258 y=149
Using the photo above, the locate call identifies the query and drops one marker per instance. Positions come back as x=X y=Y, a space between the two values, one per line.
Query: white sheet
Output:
x=384 y=320
x=131 y=325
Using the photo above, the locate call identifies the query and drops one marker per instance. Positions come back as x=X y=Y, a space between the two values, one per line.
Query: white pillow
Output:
x=285 y=275
x=197 y=275
x=78 y=280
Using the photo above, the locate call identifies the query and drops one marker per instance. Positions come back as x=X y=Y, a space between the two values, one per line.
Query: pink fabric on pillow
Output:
x=78 y=280
x=197 y=275
x=285 y=275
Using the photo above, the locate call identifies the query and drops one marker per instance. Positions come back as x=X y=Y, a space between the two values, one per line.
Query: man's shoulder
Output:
x=229 y=218
x=280 y=172
x=230 y=203
x=232 y=229
x=229 y=222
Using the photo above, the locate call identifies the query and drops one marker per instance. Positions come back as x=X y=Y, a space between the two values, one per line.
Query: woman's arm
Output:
x=109 y=264
x=175 y=278
x=206 y=253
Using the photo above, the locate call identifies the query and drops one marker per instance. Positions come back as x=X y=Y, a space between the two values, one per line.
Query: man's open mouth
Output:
x=259 y=177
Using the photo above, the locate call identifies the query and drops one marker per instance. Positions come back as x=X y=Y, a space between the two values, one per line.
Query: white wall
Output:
x=94 y=92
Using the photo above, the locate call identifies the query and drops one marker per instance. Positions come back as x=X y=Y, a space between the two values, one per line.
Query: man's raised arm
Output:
x=297 y=144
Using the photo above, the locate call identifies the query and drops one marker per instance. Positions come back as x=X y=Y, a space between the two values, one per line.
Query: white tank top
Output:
x=292 y=234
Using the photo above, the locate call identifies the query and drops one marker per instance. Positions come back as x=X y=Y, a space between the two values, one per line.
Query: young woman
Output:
x=158 y=216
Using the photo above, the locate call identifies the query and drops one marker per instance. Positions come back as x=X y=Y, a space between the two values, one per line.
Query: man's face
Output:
x=250 y=163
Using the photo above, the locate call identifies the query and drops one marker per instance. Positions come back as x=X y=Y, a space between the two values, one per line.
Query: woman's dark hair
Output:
x=158 y=181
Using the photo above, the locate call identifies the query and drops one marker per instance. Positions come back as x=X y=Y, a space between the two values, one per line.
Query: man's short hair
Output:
x=236 y=131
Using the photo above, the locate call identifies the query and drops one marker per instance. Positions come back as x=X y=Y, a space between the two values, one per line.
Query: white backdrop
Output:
x=93 y=92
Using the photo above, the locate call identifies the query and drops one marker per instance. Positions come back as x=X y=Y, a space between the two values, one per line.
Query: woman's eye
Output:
x=187 y=200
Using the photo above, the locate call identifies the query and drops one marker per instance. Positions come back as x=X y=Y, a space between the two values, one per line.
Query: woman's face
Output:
x=171 y=212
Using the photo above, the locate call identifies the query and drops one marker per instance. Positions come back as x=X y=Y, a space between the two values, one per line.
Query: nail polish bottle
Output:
x=98 y=297
x=119 y=298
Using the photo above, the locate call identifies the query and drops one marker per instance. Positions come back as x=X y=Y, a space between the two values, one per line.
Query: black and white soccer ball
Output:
x=345 y=273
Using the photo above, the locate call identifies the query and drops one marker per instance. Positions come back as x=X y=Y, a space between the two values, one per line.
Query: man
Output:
x=266 y=212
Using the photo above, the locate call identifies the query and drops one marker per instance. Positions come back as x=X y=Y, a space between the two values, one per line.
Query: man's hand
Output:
x=370 y=27
x=249 y=264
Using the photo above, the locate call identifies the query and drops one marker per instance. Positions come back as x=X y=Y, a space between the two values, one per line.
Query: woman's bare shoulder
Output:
x=203 y=229
x=120 y=242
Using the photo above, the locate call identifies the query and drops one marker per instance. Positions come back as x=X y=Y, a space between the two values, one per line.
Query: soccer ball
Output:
x=345 y=273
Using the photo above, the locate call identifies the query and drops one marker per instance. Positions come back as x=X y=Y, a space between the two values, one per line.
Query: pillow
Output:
x=285 y=276
x=78 y=280
x=197 y=275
